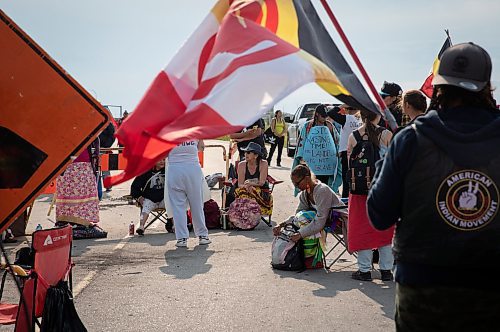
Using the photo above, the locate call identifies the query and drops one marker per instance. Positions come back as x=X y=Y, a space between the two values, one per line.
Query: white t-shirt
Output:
x=186 y=152
x=351 y=124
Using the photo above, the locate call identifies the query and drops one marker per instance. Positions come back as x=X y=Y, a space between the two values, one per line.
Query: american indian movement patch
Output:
x=467 y=200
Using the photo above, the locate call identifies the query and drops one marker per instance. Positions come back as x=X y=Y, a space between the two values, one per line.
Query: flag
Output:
x=244 y=57
x=427 y=87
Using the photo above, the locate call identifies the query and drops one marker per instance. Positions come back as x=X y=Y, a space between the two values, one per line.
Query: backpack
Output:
x=212 y=214
x=362 y=163
x=286 y=254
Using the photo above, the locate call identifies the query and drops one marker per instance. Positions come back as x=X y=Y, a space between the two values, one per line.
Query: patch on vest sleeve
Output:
x=467 y=200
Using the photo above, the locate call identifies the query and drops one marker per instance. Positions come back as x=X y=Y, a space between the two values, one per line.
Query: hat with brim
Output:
x=253 y=147
x=467 y=66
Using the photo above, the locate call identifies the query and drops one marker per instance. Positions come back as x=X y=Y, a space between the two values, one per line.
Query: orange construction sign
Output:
x=46 y=117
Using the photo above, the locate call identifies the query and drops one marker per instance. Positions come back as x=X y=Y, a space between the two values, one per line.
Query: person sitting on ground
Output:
x=148 y=190
x=252 y=178
x=316 y=197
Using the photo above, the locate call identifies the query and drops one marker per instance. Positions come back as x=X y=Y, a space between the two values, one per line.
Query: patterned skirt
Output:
x=265 y=200
x=76 y=200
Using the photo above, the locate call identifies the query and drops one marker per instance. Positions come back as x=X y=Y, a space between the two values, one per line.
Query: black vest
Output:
x=450 y=214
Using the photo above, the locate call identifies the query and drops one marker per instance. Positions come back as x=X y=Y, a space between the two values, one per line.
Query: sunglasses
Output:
x=297 y=183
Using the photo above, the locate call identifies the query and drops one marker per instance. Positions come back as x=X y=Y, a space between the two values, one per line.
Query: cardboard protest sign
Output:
x=45 y=118
x=319 y=151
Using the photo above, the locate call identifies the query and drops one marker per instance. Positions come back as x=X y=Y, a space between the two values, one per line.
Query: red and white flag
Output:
x=229 y=73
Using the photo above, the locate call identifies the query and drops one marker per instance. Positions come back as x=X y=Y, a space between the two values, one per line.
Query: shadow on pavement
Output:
x=262 y=233
x=185 y=263
x=336 y=281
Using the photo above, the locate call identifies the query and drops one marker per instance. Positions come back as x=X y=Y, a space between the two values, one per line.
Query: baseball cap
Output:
x=391 y=89
x=466 y=65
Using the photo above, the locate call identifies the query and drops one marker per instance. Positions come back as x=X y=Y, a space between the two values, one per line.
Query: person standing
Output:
x=391 y=94
x=349 y=122
x=333 y=176
x=77 y=199
x=439 y=184
x=253 y=133
x=361 y=236
x=279 y=129
x=185 y=186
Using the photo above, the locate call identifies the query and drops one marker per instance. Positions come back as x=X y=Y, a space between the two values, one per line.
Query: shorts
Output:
x=149 y=205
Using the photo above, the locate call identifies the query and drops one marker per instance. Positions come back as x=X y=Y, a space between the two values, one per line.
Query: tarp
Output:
x=45 y=118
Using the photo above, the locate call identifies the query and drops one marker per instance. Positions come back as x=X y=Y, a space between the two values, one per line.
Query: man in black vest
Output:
x=439 y=183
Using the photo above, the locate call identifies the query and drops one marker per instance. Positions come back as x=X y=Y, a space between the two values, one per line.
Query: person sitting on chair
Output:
x=148 y=190
x=315 y=198
x=252 y=178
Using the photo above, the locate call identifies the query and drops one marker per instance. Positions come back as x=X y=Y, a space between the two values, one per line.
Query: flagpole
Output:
x=354 y=56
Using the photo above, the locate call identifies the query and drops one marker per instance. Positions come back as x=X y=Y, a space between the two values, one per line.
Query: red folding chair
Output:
x=52 y=263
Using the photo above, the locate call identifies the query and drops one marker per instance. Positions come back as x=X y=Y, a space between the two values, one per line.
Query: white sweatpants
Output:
x=185 y=186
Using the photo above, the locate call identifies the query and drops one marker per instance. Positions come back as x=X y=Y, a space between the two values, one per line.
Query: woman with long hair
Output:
x=361 y=235
x=330 y=173
x=279 y=129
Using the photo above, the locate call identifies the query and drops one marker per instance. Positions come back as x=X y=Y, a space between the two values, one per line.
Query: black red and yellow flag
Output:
x=427 y=87
x=297 y=22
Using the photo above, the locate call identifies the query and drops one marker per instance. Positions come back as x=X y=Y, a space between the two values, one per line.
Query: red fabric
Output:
x=8 y=313
x=162 y=120
x=360 y=233
x=427 y=87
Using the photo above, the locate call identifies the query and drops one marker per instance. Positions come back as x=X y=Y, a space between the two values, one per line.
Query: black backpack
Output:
x=294 y=259
x=362 y=163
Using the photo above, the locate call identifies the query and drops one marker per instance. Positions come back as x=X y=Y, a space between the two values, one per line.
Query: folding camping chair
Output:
x=232 y=181
x=157 y=214
x=51 y=263
x=337 y=227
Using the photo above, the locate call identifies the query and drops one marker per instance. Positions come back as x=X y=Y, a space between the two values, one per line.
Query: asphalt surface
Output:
x=124 y=283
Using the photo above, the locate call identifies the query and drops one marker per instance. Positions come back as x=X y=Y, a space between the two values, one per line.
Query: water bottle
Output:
x=38 y=227
x=131 y=228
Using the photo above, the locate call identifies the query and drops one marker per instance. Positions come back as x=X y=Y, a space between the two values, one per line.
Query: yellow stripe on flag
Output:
x=220 y=9
x=435 y=66
x=264 y=14
x=288 y=24
x=324 y=76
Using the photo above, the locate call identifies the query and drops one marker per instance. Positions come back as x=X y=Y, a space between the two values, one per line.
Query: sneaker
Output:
x=182 y=243
x=140 y=231
x=386 y=275
x=204 y=240
x=363 y=276
x=278 y=165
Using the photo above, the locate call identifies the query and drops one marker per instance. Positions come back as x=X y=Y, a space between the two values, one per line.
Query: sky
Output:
x=115 y=48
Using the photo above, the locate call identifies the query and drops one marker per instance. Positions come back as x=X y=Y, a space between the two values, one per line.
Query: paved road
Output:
x=145 y=283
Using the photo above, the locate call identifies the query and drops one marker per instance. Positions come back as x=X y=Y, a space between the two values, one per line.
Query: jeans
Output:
x=386 y=259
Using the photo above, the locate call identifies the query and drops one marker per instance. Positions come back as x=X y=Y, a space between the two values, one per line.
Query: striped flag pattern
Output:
x=427 y=87
x=244 y=57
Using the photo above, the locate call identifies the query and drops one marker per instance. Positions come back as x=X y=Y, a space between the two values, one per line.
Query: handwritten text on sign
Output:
x=320 y=153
